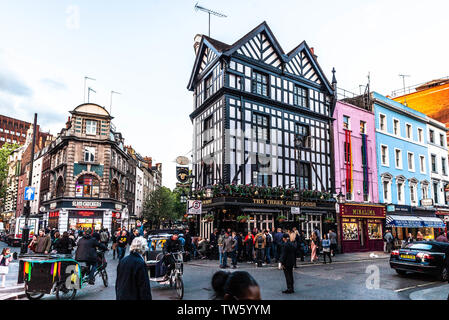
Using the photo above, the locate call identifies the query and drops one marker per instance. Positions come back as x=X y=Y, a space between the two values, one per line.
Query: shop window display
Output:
x=350 y=231
x=87 y=186
x=374 y=231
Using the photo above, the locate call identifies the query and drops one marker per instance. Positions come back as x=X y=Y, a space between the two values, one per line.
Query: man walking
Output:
x=132 y=281
x=122 y=241
x=287 y=260
x=333 y=240
x=213 y=244
x=104 y=237
x=259 y=244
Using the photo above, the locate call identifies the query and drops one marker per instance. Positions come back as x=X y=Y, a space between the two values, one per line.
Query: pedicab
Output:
x=56 y=274
x=157 y=270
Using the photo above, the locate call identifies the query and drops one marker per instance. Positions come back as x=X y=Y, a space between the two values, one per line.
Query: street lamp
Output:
x=341 y=198
x=208 y=192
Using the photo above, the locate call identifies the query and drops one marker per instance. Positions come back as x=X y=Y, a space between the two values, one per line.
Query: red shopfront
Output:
x=361 y=227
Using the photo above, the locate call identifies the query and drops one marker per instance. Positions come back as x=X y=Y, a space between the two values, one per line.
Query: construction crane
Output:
x=215 y=13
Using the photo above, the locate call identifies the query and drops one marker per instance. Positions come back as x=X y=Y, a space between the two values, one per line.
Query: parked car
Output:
x=13 y=241
x=422 y=257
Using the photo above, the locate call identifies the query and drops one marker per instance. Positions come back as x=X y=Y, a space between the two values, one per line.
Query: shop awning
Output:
x=403 y=221
x=414 y=222
x=431 y=222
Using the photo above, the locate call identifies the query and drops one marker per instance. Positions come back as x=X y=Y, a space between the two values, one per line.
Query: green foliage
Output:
x=243 y=218
x=5 y=152
x=163 y=204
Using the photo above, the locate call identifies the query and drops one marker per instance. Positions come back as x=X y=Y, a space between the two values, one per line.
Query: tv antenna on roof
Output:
x=215 y=13
x=403 y=80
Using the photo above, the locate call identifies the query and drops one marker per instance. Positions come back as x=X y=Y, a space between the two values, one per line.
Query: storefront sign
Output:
x=86 y=213
x=295 y=210
x=427 y=202
x=53 y=214
x=362 y=211
x=284 y=203
x=86 y=204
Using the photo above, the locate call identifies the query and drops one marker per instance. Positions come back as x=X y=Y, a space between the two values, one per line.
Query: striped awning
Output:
x=413 y=222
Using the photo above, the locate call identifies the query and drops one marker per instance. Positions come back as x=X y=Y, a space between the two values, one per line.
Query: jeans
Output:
x=121 y=252
x=259 y=256
x=92 y=267
x=225 y=259
x=234 y=257
x=220 y=255
x=267 y=254
x=275 y=251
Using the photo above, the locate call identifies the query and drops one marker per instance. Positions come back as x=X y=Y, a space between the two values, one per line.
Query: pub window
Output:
x=302 y=135
x=260 y=83
x=304 y=176
x=209 y=86
x=91 y=127
x=89 y=154
x=300 y=97
x=87 y=186
x=208 y=130
x=260 y=126
x=208 y=175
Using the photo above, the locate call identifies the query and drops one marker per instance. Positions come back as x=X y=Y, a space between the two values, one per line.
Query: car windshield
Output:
x=419 y=246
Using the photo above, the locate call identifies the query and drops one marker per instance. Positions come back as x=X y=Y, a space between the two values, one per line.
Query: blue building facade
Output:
x=403 y=168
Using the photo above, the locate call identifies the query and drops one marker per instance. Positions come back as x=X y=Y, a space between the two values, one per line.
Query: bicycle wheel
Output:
x=104 y=276
x=63 y=293
x=32 y=295
x=179 y=287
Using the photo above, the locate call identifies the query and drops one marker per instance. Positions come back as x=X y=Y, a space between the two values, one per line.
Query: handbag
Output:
x=4 y=270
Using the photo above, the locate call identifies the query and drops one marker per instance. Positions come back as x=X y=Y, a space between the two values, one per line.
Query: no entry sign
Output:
x=194 y=207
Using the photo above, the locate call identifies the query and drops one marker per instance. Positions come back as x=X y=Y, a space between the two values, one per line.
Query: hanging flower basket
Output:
x=208 y=218
x=242 y=219
x=329 y=220
x=281 y=218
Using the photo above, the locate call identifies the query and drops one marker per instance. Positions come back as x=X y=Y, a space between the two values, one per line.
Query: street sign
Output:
x=427 y=202
x=29 y=194
x=295 y=210
x=194 y=207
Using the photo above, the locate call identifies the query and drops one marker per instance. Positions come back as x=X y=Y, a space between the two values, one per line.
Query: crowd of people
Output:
x=392 y=242
x=265 y=246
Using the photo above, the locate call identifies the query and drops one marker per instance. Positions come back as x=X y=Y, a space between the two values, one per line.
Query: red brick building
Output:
x=15 y=131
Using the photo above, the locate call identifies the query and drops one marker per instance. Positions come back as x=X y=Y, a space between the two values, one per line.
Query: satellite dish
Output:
x=183 y=161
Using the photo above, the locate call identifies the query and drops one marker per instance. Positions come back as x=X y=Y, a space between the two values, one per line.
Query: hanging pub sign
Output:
x=182 y=174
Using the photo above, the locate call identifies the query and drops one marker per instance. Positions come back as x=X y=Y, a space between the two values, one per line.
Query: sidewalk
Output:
x=339 y=258
x=437 y=293
x=12 y=290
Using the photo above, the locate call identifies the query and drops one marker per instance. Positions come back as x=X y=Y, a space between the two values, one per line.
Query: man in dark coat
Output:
x=288 y=258
x=213 y=244
x=132 y=281
x=188 y=244
x=86 y=252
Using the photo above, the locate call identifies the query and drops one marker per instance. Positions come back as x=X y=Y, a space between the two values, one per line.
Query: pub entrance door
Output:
x=362 y=233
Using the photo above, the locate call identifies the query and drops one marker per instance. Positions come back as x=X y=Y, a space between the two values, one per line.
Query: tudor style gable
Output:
x=261 y=48
x=301 y=65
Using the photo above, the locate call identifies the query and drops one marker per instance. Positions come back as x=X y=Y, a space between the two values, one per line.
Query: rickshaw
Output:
x=157 y=270
x=56 y=274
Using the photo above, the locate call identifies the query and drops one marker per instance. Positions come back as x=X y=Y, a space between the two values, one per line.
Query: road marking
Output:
x=418 y=285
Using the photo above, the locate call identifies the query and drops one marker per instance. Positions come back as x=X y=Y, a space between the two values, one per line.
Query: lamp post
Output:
x=341 y=198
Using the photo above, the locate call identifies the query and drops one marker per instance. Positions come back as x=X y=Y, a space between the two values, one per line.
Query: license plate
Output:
x=408 y=257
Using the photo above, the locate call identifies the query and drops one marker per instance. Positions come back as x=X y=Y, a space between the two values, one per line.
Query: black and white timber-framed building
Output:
x=262 y=122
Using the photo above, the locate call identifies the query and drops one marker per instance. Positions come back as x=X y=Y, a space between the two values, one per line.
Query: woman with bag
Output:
x=5 y=259
x=32 y=245
x=326 y=244
x=314 y=247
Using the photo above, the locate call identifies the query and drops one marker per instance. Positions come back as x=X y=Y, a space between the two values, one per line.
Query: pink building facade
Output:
x=360 y=217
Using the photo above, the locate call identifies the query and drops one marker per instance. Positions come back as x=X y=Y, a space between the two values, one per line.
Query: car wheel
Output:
x=401 y=272
x=444 y=274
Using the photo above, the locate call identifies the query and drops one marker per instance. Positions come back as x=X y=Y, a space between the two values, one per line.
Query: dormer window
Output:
x=91 y=127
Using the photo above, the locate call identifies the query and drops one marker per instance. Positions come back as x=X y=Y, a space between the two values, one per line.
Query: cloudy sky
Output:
x=143 y=49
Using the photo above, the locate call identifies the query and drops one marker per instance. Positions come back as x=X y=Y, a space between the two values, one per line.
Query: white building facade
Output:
x=36 y=184
x=138 y=203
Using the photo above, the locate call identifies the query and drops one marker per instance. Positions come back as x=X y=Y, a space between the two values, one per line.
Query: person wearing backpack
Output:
x=259 y=244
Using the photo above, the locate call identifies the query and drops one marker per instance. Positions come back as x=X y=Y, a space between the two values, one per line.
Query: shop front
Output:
x=361 y=227
x=403 y=220
x=243 y=214
x=443 y=214
x=82 y=214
